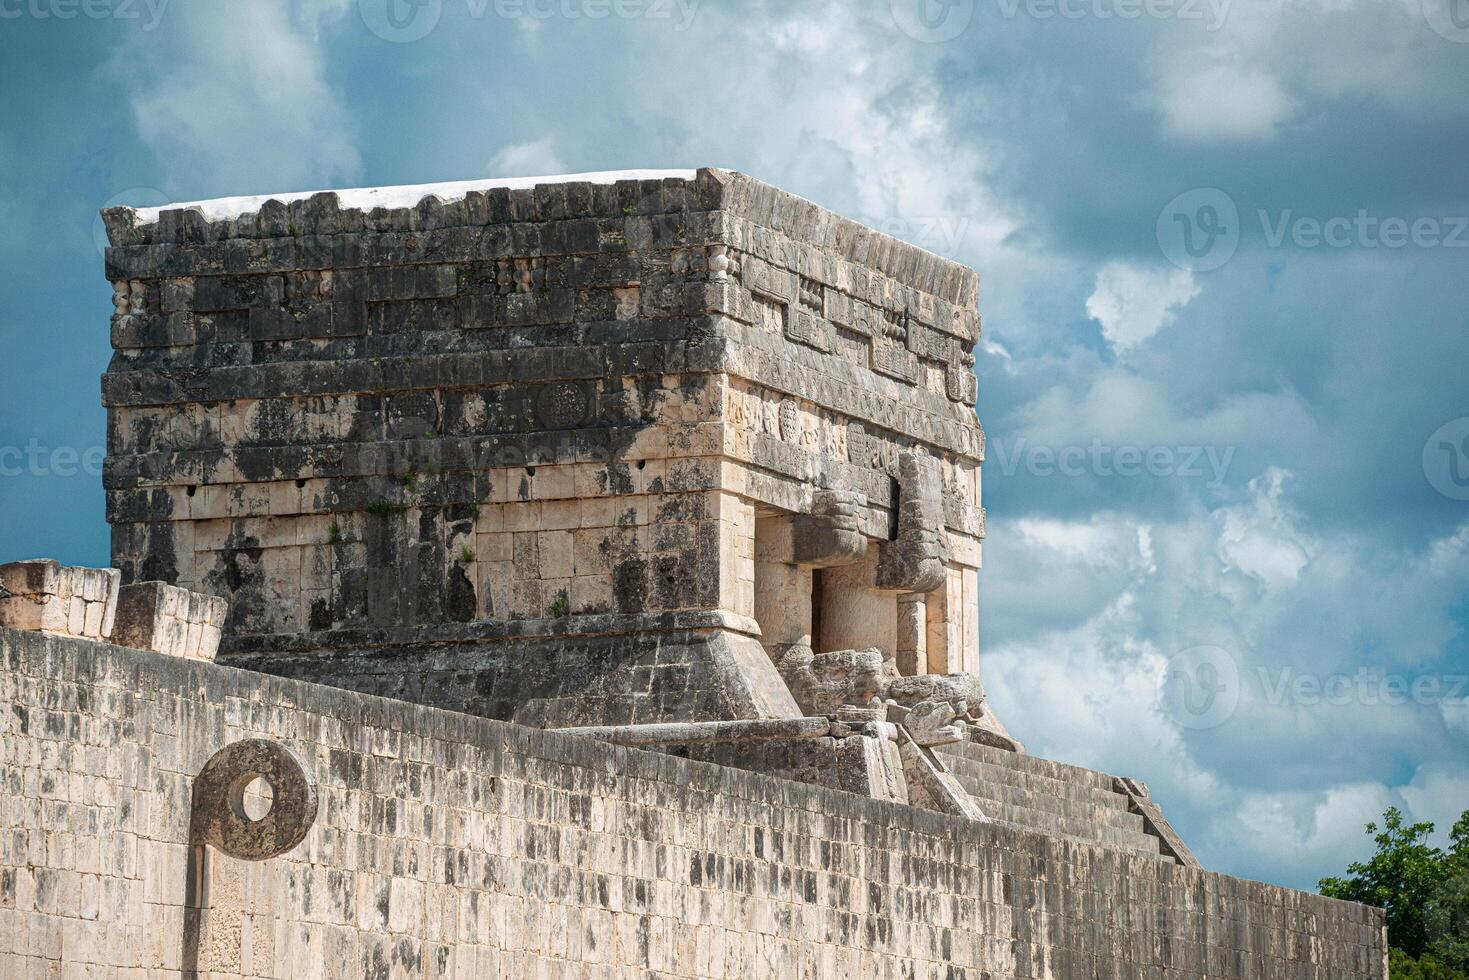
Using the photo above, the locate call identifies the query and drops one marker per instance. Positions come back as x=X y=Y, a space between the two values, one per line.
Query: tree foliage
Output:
x=1425 y=892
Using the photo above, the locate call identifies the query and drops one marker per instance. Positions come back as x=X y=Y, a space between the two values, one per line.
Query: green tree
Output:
x=1447 y=921
x=1401 y=966
x=1400 y=878
x=1423 y=889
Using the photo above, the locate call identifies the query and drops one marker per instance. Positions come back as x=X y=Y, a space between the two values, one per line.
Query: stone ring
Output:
x=219 y=816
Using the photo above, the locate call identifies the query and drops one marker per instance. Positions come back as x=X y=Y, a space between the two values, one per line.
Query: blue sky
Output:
x=1225 y=293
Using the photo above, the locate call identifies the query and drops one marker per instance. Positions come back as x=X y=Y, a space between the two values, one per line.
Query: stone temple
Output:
x=565 y=577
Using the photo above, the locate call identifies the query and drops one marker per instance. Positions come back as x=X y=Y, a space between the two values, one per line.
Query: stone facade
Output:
x=681 y=465
x=440 y=845
x=579 y=453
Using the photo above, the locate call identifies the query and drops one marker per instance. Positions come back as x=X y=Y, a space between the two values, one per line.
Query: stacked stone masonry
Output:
x=42 y=594
x=446 y=845
x=170 y=620
x=546 y=424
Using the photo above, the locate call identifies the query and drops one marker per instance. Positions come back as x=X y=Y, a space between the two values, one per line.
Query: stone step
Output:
x=1143 y=845
x=986 y=773
x=1029 y=764
x=1094 y=831
x=998 y=793
x=1050 y=797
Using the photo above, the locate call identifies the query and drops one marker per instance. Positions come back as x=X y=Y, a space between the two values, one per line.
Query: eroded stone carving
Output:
x=823 y=683
x=930 y=722
x=961 y=691
x=916 y=561
x=219 y=816
x=832 y=533
x=563 y=404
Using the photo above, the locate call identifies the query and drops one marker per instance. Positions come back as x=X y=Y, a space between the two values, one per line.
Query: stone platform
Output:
x=442 y=845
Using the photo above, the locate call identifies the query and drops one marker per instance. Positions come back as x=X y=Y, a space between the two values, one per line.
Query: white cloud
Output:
x=1222 y=102
x=1095 y=608
x=236 y=99
x=1132 y=302
x=817 y=114
x=536 y=158
x=1310 y=829
x=1260 y=538
x=1273 y=62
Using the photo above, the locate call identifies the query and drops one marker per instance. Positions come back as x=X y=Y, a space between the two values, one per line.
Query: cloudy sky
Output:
x=1226 y=312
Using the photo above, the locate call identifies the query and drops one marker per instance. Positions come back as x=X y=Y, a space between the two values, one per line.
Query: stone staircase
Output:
x=1056 y=799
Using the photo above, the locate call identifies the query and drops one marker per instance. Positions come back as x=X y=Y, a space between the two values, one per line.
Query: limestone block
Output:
x=832 y=533
x=42 y=594
x=916 y=561
x=170 y=620
x=912 y=641
x=931 y=786
x=869 y=764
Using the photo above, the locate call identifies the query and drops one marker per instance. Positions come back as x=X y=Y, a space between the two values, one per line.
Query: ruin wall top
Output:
x=569 y=406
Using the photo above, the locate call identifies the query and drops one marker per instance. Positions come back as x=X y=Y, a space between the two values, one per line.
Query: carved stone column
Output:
x=912 y=651
x=787 y=549
x=916 y=561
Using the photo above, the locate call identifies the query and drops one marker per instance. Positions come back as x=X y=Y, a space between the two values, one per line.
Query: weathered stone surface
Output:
x=917 y=560
x=613 y=671
x=931 y=786
x=962 y=692
x=526 y=406
x=219 y=817
x=700 y=733
x=1140 y=801
x=447 y=845
x=929 y=723
x=831 y=534
x=170 y=620
x=823 y=683
x=44 y=595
